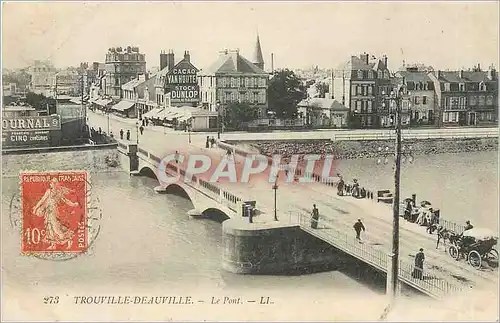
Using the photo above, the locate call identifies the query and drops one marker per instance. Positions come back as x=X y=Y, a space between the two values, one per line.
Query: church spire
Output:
x=258 y=60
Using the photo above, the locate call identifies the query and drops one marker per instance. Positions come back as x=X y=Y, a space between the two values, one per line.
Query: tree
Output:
x=238 y=112
x=40 y=102
x=322 y=88
x=285 y=92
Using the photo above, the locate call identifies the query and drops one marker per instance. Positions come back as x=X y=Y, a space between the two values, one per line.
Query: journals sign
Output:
x=25 y=138
x=41 y=123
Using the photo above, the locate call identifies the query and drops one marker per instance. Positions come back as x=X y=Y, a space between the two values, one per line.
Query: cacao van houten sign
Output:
x=31 y=123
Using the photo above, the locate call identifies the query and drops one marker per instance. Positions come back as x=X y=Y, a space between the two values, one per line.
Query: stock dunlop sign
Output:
x=42 y=123
x=182 y=83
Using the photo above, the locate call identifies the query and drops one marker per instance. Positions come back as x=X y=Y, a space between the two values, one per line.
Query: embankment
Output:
x=351 y=149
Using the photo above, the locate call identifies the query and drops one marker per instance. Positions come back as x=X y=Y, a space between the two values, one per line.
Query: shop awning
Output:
x=184 y=118
x=123 y=105
x=152 y=114
x=102 y=102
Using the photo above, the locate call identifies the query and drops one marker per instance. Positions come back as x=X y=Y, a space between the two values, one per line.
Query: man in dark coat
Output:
x=315 y=217
x=128 y=134
x=358 y=226
x=340 y=187
x=418 y=271
x=121 y=134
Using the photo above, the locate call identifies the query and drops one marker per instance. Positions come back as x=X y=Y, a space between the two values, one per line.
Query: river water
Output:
x=148 y=242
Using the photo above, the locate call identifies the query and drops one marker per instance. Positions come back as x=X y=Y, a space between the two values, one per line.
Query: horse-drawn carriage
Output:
x=476 y=246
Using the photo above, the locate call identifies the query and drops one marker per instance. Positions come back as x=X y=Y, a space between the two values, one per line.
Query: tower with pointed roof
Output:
x=257 y=58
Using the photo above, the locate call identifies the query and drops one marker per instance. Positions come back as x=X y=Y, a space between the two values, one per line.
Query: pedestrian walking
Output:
x=315 y=217
x=212 y=142
x=418 y=271
x=207 y=143
x=128 y=135
x=340 y=187
x=141 y=129
x=121 y=134
x=176 y=156
x=355 y=189
x=408 y=210
x=358 y=226
x=100 y=130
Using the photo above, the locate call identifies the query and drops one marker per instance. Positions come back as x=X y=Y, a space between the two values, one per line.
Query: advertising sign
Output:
x=25 y=124
x=182 y=83
x=26 y=139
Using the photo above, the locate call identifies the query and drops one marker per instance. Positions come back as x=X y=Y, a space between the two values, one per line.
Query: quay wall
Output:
x=354 y=149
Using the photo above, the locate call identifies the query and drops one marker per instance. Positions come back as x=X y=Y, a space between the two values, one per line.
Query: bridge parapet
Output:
x=216 y=193
x=433 y=286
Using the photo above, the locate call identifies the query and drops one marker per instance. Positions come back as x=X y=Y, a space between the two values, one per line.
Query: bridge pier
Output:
x=272 y=248
x=128 y=156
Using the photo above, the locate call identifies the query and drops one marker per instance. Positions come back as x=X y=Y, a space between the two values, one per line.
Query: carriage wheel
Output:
x=474 y=259
x=492 y=255
x=453 y=251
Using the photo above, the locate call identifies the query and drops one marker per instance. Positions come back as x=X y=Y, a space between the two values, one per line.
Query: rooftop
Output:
x=467 y=76
x=232 y=62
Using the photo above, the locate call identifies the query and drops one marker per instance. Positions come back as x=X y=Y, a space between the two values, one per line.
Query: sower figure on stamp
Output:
x=315 y=217
x=47 y=207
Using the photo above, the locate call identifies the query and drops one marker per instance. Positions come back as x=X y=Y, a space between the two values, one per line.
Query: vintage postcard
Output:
x=250 y=161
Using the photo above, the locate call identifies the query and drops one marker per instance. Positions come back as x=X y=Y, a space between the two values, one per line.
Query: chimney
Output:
x=142 y=77
x=364 y=57
x=170 y=59
x=491 y=73
x=163 y=59
x=187 y=56
x=478 y=67
x=385 y=61
x=438 y=74
x=461 y=74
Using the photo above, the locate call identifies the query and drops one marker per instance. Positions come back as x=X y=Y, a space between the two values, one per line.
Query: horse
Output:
x=445 y=234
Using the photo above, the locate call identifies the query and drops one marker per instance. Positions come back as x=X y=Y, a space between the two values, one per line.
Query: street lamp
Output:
x=137 y=131
x=107 y=114
x=395 y=100
x=275 y=188
x=218 y=120
x=190 y=128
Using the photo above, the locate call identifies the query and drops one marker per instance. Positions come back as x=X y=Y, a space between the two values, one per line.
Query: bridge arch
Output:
x=178 y=190
x=215 y=214
x=148 y=172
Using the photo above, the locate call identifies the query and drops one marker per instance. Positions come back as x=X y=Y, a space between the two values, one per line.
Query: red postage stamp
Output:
x=54 y=212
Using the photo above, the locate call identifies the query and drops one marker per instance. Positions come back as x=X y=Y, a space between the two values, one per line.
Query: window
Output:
x=358 y=90
x=473 y=100
x=255 y=97
x=365 y=91
x=354 y=89
x=369 y=107
x=386 y=74
x=424 y=100
x=453 y=116
x=446 y=86
x=446 y=102
x=370 y=74
x=461 y=87
x=481 y=100
x=379 y=74
x=417 y=100
x=482 y=86
x=360 y=74
x=370 y=89
x=489 y=100
x=358 y=106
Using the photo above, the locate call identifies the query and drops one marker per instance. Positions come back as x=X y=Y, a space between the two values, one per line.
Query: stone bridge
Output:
x=206 y=197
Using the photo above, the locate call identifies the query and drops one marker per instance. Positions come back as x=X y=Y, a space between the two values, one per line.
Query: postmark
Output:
x=54 y=212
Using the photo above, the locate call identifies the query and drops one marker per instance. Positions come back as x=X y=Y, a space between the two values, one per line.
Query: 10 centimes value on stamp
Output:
x=58 y=216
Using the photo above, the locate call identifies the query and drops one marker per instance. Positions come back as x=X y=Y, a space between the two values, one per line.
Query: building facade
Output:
x=42 y=76
x=359 y=84
x=67 y=82
x=233 y=78
x=421 y=87
x=122 y=66
x=466 y=98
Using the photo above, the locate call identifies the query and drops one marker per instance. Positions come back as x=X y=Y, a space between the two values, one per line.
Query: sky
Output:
x=444 y=35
